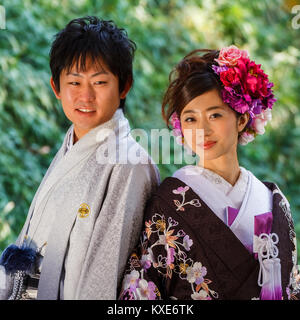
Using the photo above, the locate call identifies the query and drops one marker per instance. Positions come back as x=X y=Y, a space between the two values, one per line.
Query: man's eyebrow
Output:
x=75 y=74
x=99 y=73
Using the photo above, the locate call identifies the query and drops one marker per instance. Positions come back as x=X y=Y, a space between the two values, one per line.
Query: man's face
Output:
x=89 y=98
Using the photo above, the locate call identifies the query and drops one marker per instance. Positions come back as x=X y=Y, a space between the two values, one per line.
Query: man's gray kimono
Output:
x=86 y=215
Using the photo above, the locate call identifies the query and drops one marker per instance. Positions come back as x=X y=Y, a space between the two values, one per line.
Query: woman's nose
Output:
x=205 y=126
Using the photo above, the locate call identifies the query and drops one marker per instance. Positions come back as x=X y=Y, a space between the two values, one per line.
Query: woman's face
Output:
x=219 y=123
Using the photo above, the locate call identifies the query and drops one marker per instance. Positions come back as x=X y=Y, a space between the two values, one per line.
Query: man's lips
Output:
x=85 y=110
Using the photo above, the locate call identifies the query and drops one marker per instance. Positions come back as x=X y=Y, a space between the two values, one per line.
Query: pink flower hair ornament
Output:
x=246 y=88
x=177 y=132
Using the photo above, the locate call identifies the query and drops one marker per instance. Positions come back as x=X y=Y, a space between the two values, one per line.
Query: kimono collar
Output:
x=223 y=185
x=118 y=123
x=234 y=193
x=65 y=162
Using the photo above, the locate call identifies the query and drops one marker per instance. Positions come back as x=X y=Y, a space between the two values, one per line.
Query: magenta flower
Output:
x=175 y=122
x=246 y=86
x=181 y=190
x=235 y=100
x=177 y=132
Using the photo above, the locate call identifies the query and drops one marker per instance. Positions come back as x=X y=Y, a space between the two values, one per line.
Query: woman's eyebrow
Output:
x=208 y=109
x=188 y=111
x=214 y=107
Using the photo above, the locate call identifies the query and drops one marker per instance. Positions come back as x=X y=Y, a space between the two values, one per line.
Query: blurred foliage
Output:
x=33 y=124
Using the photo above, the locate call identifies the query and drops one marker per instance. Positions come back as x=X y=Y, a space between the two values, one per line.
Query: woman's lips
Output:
x=208 y=145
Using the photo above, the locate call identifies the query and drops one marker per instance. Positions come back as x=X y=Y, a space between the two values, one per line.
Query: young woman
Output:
x=214 y=231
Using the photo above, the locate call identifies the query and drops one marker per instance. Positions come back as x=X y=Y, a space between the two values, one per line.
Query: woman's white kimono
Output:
x=87 y=214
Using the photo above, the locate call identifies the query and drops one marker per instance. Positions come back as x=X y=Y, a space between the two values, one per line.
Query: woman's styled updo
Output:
x=191 y=77
x=240 y=82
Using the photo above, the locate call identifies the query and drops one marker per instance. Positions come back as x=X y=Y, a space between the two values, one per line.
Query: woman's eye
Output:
x=189 y=119
x=215 y=115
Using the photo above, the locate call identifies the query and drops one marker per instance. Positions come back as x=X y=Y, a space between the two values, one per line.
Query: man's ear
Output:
x=243 y=120
x=127 y=87
x=56 y=92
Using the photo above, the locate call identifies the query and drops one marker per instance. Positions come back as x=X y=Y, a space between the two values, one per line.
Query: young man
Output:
x=86 y=215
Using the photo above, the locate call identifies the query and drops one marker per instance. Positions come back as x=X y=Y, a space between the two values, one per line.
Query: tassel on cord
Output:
x=16 y=258
x=19 y=262
x=270 y=268
x=277 y=279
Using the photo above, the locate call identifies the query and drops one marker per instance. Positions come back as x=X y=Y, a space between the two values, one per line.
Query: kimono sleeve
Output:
x=116 y=230
x=293 y=288
x=6 y=284
x=145 y=274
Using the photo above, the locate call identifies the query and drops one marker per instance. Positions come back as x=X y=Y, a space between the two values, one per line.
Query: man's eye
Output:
x=74 y=83
x=100 y=82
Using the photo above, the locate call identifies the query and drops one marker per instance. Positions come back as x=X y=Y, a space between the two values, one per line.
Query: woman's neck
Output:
x=227 y=168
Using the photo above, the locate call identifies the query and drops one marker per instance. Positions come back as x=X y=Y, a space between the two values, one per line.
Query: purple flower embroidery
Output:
x=187 y=243
x=196 y=273
x=145 y=262
x=146 y=290
x=131 y=280
x=170 y=256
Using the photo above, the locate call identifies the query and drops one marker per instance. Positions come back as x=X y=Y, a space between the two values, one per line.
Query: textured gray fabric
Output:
x=90 y=252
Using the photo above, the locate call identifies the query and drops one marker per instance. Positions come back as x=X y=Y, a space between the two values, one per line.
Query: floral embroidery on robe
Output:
x=187 y=252
x=180 y=205
x=174 y=244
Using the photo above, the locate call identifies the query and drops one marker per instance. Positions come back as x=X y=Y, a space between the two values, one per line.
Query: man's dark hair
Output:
x=95 y=38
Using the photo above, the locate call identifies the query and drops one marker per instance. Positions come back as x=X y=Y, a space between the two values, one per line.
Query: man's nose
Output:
x=88 y=93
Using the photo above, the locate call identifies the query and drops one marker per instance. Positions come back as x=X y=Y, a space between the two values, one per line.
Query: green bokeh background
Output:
x=32 y=124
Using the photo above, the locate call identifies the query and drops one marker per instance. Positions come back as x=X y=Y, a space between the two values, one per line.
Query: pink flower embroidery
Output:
x=180 y=205
x=181 y=190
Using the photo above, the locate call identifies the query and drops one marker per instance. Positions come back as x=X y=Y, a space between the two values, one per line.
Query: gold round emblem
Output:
x=84 y=210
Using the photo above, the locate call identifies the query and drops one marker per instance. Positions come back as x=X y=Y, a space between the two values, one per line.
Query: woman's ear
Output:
x=55 y=90
x=242 y=121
